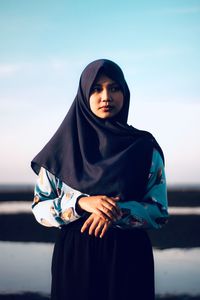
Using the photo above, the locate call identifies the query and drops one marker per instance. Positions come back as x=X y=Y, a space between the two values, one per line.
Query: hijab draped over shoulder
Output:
x=99 y=156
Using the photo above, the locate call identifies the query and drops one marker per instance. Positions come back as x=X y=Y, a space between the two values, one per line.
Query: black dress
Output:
x=118 y=266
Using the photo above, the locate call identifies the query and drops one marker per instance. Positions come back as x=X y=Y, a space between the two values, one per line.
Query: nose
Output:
x=106 y=96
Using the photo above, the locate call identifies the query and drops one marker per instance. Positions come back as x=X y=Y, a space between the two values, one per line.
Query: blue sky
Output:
x=44 y=46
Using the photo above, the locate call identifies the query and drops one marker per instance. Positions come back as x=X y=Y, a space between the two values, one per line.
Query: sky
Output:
x=45 y=45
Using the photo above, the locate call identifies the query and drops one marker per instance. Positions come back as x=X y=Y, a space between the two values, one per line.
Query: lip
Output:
x=106 y=107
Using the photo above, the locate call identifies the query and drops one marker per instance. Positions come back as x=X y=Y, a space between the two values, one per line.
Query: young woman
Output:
x=102 y=182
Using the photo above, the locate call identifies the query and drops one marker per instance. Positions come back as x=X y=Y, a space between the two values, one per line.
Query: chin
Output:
x=106 y=116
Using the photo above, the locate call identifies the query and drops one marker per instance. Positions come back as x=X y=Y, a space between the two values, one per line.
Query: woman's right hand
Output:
x=103 y=206
x=96 y=226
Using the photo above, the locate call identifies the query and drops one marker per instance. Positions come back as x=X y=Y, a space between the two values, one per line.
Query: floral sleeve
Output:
x=54 y=201
x=152 y=211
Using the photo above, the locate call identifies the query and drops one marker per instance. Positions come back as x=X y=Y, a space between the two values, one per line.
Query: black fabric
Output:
x=118 y=266
x=97 y=156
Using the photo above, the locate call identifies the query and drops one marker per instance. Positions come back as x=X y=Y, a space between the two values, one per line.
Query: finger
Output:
x=98 y=229
x=109 y=215
x=116 y=205
x=112 y=201
x=86 y=224
x=93 y=226
x=117 y=198
x=111 y=209
x=99 y=212
x=104 y=229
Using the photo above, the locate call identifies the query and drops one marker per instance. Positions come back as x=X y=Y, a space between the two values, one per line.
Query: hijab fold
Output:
x=97 y=156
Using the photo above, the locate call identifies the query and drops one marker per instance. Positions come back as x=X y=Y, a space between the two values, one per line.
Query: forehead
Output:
x=103 y=79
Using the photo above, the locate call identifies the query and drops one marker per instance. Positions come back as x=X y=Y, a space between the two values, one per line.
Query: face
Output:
x=106 y=97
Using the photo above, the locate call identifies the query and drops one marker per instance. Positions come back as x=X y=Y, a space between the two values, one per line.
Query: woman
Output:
x=103 y=183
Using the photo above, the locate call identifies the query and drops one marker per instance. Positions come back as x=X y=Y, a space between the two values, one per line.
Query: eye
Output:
x=95 y=89
x=115 y=88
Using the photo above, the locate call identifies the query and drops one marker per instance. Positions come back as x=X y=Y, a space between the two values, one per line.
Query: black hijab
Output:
x=98 y=156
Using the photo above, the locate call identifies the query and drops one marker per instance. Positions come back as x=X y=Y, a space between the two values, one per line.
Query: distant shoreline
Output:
x=181 y=231
x=7 y=187
x=177 y=195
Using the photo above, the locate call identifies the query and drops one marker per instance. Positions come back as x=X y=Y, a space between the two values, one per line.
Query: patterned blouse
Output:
x=55 y=202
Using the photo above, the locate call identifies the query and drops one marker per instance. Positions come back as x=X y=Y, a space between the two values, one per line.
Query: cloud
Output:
x=44 y=66
x=7 y=70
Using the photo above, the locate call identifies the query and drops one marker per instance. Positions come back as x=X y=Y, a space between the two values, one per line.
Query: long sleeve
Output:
x=152 y=211
x=54 y=202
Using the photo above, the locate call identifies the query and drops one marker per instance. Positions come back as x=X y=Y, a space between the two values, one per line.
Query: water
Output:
x=15 y=207
x=26 y=267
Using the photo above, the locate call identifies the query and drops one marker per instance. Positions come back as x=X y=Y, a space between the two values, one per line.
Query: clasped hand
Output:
x=104 y=210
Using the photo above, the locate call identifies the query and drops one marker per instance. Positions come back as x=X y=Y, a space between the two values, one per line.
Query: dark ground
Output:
x=181 y=231
x=31 y=296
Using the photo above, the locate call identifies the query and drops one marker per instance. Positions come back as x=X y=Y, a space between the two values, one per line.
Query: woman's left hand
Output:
x=96 y=225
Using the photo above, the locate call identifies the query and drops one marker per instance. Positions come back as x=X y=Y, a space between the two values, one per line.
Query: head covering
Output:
x=99 y=156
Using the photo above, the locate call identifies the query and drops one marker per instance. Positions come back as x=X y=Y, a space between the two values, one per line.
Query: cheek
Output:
x=92 y=103
x=120 y=101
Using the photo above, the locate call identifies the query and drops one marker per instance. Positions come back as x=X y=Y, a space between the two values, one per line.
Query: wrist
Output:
x=78 y=208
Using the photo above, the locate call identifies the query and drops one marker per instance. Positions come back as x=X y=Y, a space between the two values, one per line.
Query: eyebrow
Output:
x=111 y=83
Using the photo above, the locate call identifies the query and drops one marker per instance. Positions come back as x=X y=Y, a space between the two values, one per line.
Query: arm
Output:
x=54 y=202
x=152 y=211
